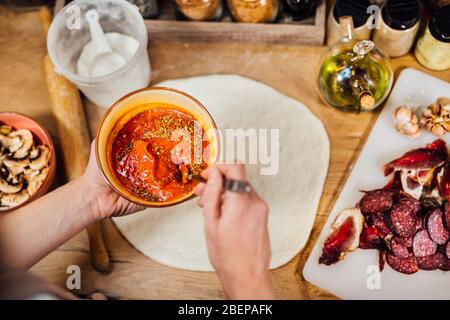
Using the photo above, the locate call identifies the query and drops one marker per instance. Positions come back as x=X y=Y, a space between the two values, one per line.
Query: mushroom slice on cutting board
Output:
x=15 y=199
x=42 y=159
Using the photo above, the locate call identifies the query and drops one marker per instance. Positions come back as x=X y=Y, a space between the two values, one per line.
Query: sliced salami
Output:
x=407 y=265
x=446 y=265
x=379 y=222
x=423 y=245
x=376 y=201
x=406 y=242
x=447 y=214
x=432 y=262
x=447 y=250
x=399 y=250
x=404 y=218
x=412 y=203
x=436 y=229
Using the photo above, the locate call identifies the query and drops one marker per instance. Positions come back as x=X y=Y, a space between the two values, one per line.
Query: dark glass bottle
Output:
x=148 y=8
x=28 y=4
x=299 y=9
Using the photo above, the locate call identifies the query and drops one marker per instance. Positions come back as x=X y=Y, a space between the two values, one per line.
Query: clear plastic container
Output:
x=69 y=33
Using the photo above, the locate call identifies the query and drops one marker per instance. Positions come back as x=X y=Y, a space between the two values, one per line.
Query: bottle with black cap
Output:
x=296 y=10
x=397 y=27
x=433 y=48
x=357 y=9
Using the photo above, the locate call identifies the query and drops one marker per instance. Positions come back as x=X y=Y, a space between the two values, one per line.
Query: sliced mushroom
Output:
x=5 y=129
x=6 y=187
x=26 y=137
x=15 y=199
x=11 y=143
x=30 y=173
x=35 y=183
x=42 y=160
x=13 y=163
x=34 y=153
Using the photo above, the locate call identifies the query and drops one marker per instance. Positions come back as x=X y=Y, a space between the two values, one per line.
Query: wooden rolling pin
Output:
x=71 y=124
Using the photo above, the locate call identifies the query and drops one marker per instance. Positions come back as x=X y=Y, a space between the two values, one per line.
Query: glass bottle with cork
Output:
x=354 y=75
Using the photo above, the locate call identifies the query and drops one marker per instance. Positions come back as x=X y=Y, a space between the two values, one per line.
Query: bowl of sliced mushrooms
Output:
x=27 y=160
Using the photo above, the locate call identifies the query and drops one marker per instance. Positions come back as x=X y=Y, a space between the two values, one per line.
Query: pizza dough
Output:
x=174 y=236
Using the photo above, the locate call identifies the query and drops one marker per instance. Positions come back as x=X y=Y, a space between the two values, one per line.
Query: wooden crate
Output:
x=310 y=31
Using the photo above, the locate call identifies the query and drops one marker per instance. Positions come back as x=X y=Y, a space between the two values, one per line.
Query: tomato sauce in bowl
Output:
x=151 y=149
x=152 y=143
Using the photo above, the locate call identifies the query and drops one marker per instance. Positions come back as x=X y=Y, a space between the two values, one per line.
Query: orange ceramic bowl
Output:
x=41 y=136
x=129 y=106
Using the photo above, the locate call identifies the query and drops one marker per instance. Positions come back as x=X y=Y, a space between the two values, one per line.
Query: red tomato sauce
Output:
x=148 y=150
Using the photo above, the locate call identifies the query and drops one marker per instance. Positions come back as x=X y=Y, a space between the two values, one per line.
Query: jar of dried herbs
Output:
x=254 y=11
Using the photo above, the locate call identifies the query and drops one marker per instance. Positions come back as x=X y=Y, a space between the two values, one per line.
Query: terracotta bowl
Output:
x=130 y=105
x=41 y=136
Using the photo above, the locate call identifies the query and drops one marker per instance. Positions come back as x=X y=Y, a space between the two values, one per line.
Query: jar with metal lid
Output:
x=198 y=10
x=433 y=47
x=398 y=26
x=357 y=10
x=254 y=11
x=296 y=10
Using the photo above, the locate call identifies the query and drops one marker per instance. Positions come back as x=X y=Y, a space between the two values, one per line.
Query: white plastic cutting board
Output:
x=355 y=277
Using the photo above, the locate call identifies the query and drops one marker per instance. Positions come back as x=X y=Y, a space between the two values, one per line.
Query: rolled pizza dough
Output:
x=174 y=236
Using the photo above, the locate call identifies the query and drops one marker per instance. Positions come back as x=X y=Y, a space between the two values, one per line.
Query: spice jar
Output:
x=253 y=11
x=354 y=75
x=198 y=10
x=398 y=26
x=357 y=10
x=148 y=8
x=433 y=48
x=299 y=9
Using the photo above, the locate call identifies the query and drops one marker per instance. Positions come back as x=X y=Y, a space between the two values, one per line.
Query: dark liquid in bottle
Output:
x=299 y=9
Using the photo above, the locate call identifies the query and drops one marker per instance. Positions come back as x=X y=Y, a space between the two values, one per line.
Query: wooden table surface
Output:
x=289 y=69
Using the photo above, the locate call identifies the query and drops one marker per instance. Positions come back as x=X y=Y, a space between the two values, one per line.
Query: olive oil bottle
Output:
x=353 y=75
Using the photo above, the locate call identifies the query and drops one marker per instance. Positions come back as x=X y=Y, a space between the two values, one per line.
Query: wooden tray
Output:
x=310 y=31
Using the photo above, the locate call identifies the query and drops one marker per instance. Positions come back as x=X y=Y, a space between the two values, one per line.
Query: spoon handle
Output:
x=97 y=35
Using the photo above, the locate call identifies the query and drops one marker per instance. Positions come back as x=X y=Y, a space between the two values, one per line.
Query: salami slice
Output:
x=379 y=222
x=376 y=201
x=407 y=265
x=433 y=262
x=447 y=250
x=447 y=214
x=406 y=242
x=399 y=250
x=435 y=225
x=446 y=265
x=423 y=245
x=412 y=203
x=404 y=218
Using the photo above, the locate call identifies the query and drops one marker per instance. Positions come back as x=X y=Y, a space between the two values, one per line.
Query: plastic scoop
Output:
x=106 y=60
